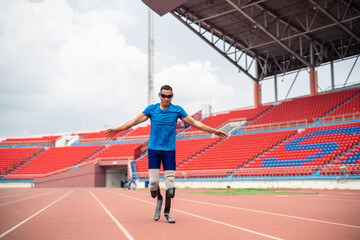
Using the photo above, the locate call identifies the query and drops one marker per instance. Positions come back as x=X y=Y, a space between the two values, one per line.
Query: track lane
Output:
x=16 y=212
x=77 y=216
x=7 y=234
x=281 y=225
x=193 y=226
x=306 y=206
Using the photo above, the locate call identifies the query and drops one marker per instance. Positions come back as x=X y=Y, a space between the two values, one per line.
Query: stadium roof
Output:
x=268 y=37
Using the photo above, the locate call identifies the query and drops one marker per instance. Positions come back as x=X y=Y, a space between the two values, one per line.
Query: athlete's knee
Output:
x=154 y=175
x=153 y=185
x=170 y=193
x=169 y=179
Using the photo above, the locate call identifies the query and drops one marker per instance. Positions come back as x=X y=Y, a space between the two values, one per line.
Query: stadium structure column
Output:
x=257 y=86
x=257 y=94
x=332 y=75
x=313 y=74
x=313 y=82
x=275 y=88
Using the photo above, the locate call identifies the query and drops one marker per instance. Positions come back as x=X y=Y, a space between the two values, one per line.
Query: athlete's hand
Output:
x=220 y=134
x=110 y=133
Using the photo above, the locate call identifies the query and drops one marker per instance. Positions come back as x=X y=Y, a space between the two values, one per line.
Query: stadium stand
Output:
x=219 y=120
x=351 y=156
x=321 y=149
x=116 y=151
x=138 y=134
x=307 y=152
x=186 y=149
x=99 y=137
x=350 y=110
x=234 y=152
x=351 y=169
x=53 y=159
x=12 y=158
x=305 y=109
x=41 y=141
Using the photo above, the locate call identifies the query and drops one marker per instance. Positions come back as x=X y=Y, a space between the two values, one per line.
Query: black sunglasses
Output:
x=166 y=96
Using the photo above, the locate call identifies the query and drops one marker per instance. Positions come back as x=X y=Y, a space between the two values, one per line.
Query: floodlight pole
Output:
x=151 y=59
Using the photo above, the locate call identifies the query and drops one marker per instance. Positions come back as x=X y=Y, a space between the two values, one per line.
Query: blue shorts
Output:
x=166 y=157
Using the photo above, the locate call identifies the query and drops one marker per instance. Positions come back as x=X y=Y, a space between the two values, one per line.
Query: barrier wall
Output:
x=88 y=176
x=16 y=184
x=341 y=183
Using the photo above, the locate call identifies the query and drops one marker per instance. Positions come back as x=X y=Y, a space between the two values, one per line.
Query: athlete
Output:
x=161 y=146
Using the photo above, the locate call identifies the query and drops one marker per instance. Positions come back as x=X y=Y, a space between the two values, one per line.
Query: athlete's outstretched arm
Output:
x=110 y=133
x=199 y=125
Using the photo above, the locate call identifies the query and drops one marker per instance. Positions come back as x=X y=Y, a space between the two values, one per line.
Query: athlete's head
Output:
x=166 y=95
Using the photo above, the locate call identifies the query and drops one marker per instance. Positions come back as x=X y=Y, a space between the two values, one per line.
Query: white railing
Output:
x=119 y=160
x=24 y=142
x=96 y=140
x=277 y=125
x=243 y=172
x=200 y=133
x=341 y=118
x=135 y=138
x=352 y=169
x=108 y=159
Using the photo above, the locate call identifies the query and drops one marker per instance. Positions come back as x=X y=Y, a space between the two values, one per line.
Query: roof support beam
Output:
x=333 y=18
x=227 y=12
x=217 y=49
x=269 y=33
x=301 y=34
x=284 y=21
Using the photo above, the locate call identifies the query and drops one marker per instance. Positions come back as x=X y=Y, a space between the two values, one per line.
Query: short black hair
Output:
x=166 y=87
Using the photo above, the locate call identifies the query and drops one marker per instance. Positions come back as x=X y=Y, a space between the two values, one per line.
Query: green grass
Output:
x=251 y=191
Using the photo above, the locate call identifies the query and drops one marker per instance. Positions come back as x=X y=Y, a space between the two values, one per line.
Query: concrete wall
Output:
x=16 y=184
x=89 y=176
x=351 y=184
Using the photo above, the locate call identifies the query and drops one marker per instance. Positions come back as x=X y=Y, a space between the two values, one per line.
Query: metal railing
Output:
x=243 y=172
x=115 y=160
x=135 y=138
x=28 y=143
x=341 y=118
x=277 y=125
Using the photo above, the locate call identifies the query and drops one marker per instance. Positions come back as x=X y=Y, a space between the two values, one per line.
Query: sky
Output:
x=81 y=65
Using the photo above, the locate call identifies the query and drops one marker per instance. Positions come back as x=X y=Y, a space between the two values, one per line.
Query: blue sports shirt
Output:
x=163 y=126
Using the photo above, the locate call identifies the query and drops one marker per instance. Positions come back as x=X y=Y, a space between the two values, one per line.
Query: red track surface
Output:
x=101 y=213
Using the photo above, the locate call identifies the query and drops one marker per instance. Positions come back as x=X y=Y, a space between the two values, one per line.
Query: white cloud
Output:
x=61 y=68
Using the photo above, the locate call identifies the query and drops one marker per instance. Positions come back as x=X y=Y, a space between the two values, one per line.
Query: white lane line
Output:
x=21 y=223
x=127 y=234
x=4 y=204
x=14 y=194
x=323 y=197
x=270 y=213
x=205 y=218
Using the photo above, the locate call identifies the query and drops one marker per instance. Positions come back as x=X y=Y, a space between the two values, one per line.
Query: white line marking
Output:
x=15 y=194
x=127 y=234
x=26 y=198
x=271 y=213
x=21 y=223
x=323 y=197
x=205 y=218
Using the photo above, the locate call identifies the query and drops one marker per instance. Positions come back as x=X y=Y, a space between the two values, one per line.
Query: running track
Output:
x=103 y=213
